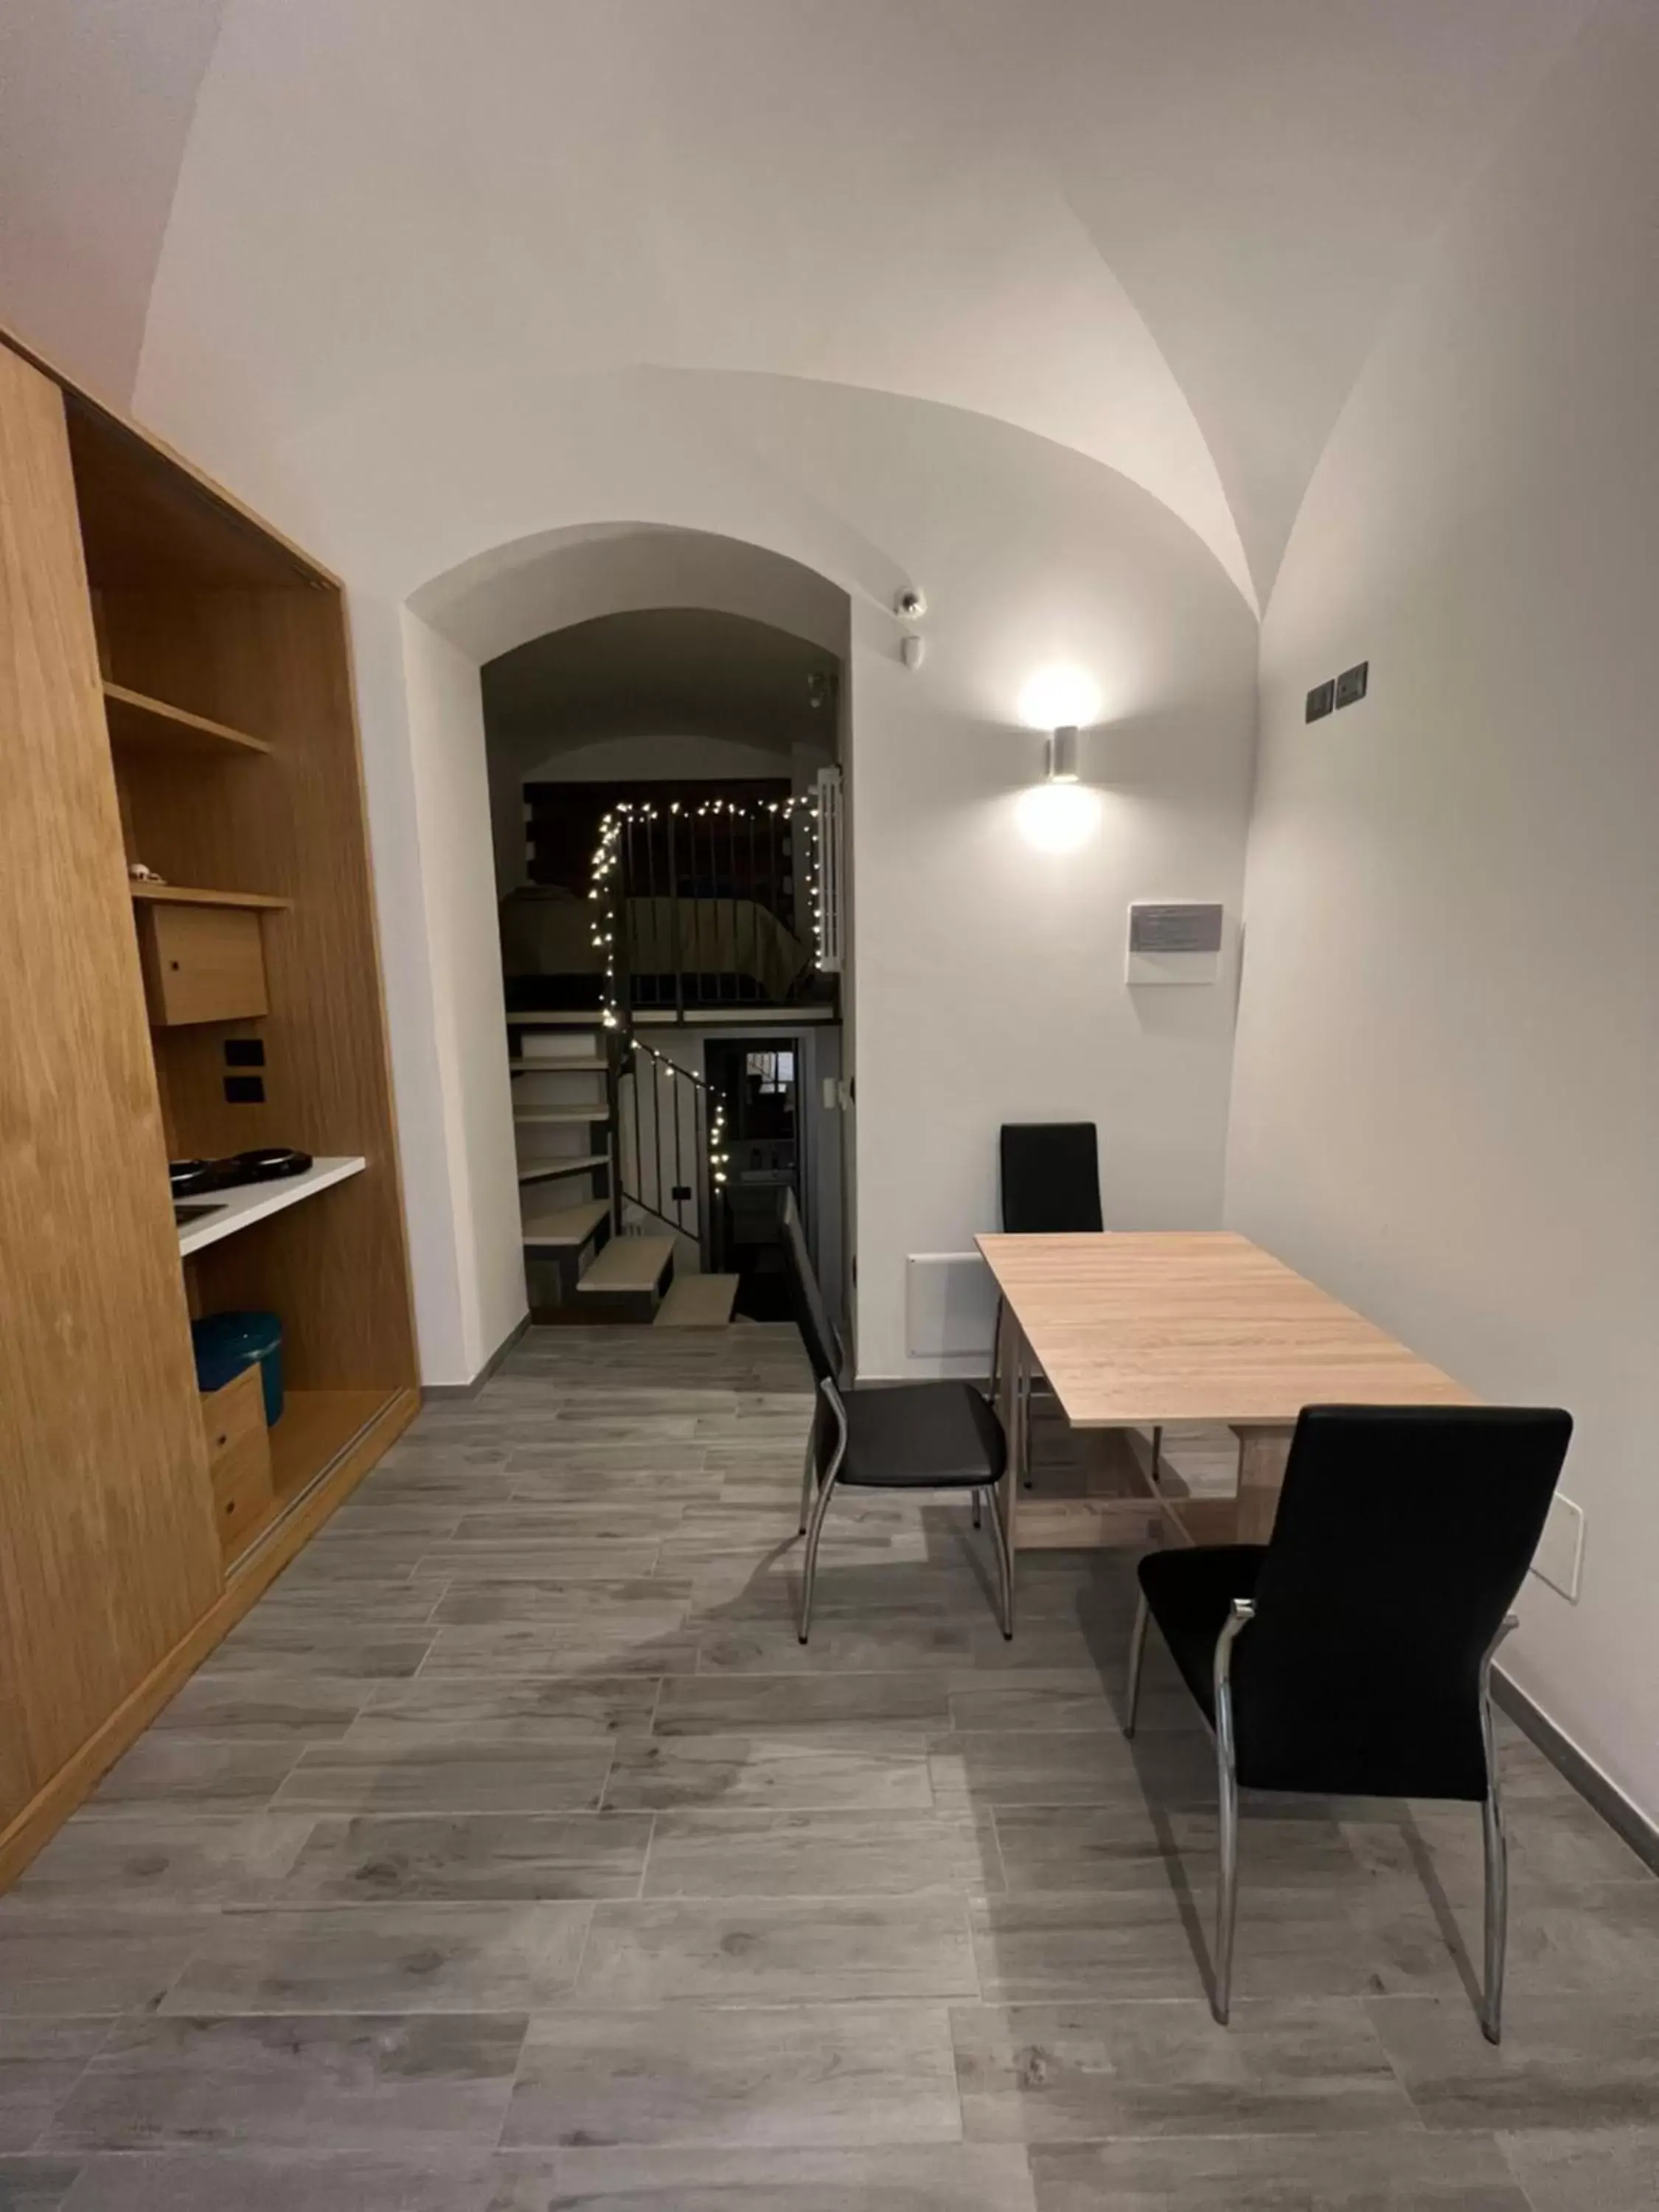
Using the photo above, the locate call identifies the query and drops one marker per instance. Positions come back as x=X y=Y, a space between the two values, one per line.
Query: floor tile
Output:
x=1395 y=2172
x=1048 y=2073
x=432 y=1771
x=820 y=1854
x=1614 y=2172
x=778 y=1952
x=274 y=1703
x=36 y=2184
x=59 y=1959
x=943 y=2178
x=1335 y=1941
x=568 y=1711
x=164 y=1769
x=402 y=1958
x=426 y=2084
x=587 y=1647
x=149 y=1854
x=859 y=1709
x=281 y=2181
x=1566 y=2062
x=717 y=1769
x=1048 y=1848
x=469 y=1857
x=40 y=2062
x=851 y=2073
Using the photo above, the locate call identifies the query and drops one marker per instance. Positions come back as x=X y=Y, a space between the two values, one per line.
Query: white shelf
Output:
x=245 y=1203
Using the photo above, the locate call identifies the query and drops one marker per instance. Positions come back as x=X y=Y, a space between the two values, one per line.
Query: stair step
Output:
x=529 y=1113
x=698 y=1302
x=557 y=1066
x=566 y=1019
x=546 y=1170
x=567 y=1228
x=628 y=1264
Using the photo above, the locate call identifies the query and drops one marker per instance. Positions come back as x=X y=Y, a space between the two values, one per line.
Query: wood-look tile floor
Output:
x=513 y=1855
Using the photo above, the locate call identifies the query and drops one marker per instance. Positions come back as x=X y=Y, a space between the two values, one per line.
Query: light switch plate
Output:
x=1559 y=1558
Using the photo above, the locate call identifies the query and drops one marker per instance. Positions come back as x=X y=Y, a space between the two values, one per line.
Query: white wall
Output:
x=1447 y=1097
x=458 y=912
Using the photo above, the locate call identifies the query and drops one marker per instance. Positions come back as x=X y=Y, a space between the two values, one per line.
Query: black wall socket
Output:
x=1352 y=683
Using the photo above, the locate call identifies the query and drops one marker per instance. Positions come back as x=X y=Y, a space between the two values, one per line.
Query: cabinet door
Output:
x=107 y=1549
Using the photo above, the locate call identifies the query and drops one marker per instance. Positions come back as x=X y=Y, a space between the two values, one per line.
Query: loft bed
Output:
x=676 y=947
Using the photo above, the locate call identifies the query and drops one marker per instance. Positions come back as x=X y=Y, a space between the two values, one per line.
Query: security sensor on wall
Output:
x=912 y=651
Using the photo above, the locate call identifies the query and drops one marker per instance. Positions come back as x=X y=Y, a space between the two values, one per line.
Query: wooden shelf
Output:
x=317 y=1428
x=177 y=895
x=240 y=1204
x=139 y=724
x=545 y=1170
x=557 y=1066
x=528 y=1115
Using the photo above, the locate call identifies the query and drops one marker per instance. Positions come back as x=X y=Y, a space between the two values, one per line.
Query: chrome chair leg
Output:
x=1137 y=1656
x=808 y=1469
x=813 y=1527
x=1158 y=1455
x=810 y=1560
x=1495 y=1838
x=996 y=1351
x=1226 y=1892
x=1005 y=1569
x=978 y=1497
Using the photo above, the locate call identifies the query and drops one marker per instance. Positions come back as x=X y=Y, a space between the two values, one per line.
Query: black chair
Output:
x=1051 y=1185
x=1050 y=1178
x=910 y=1435
x=1372 y=1617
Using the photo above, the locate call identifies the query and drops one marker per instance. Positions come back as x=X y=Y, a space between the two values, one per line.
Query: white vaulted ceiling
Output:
x=1163 y=233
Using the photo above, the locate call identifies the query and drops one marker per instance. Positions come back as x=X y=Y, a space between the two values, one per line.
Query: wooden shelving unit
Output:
x=138 y=724
x=154 y=625
x=177 y=895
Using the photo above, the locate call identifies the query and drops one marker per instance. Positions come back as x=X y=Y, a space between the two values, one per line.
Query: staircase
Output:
x=616 y=1181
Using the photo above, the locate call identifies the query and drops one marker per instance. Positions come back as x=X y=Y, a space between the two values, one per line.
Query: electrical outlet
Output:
x=1559 y=1558
x=1353 y=683
x=1321 y=700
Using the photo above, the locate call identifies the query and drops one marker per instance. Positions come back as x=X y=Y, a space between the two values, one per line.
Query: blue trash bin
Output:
x=226 y=1343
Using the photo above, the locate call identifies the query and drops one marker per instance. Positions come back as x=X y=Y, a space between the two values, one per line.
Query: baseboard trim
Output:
x=1587 y=1778
x=438 y=1393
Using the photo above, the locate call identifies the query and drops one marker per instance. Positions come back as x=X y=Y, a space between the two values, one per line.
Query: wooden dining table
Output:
x=1134 y=1332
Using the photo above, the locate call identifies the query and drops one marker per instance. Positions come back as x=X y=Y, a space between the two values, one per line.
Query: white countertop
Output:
x=243 y=1203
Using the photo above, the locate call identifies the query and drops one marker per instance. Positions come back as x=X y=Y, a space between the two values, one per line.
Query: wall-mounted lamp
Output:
x=1062 y=763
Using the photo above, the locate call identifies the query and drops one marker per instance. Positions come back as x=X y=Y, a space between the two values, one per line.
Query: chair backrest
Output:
x=1402 y=1539
x=1050 y=1178
x=806 y=1298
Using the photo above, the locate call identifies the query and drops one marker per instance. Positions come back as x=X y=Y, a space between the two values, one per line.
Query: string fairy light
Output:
x=605 y=887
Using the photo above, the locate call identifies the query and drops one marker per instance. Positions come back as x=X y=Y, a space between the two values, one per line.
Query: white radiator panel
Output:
x=950 y=1306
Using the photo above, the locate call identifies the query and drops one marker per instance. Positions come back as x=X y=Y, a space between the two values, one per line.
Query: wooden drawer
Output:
x=202 y=963
x=239 y=1457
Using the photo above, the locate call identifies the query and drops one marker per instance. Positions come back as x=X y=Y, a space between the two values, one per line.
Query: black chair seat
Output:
x=1191 y=1595
x=922 y=1436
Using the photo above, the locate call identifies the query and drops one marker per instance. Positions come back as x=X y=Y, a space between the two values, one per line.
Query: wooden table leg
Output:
x=1261 y=1457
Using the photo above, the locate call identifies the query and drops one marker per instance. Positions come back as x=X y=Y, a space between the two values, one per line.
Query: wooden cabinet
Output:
x=239 y=1458
x=175 y=685
x=108 y=1550
x=202 y=963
